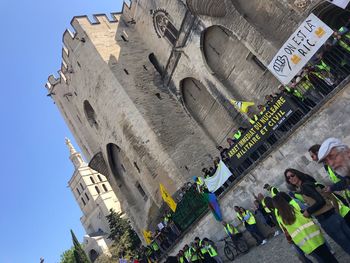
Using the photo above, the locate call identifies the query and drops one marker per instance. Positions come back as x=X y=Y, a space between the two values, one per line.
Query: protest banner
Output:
x=253 y=138
x=221 y=175
x=299 y=48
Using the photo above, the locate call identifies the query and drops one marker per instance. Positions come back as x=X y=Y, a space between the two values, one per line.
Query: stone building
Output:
x=95 y=197
x=146 y=91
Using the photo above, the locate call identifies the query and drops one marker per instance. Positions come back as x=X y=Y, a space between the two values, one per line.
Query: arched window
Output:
x=93 y=255
x=164 y=27
x=82 y=199
x=99 y=178
x=266 y=17
x=105 y=187
x=205 y=109
x=82 y=188
x=229 y=60
x=78 y=191
x=97 y=190
x=92 y=180
x=87 y=197
x=90 y=114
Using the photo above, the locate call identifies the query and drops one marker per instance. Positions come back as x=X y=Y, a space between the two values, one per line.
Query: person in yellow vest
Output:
x=230 y=230
x=269 y=203
x=319 y=80
x=194 y=252
x=262 y=213
x=238 y=134
x=181 y=257
x=271 y=189
x=187 y=253
x=156 y=249
x=333 y=176
x=343 y=40
x=200 y=184
x=204 y=252
x=212 y=250
x=233 y=233
x=323 y=206
x=301 y=230
x=247 y=217
x=253 y=118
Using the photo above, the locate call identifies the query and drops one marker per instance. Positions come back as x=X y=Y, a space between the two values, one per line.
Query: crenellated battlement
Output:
x=72 y=39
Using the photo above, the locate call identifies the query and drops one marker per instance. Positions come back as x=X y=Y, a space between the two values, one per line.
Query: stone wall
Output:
x=330 y=121
x=148 y=91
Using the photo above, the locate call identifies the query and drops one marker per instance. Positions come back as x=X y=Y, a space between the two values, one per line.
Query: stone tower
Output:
x=95 y=197
x=146 y=91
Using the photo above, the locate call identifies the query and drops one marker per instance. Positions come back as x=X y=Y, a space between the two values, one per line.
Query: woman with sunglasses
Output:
x=322 y=206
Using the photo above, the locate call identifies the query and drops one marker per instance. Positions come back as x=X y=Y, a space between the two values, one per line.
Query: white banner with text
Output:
x=299 y=48
x=219 y=178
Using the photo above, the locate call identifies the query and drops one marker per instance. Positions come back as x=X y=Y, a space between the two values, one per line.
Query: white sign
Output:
x=341 y=3
x=299 y=48
x=221 y=175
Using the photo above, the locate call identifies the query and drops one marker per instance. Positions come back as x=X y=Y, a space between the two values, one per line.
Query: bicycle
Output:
x=233 y=248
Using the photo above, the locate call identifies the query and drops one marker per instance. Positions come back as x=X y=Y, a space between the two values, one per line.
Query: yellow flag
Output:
x=147 y=236
x=167 y=198
x=242 y=106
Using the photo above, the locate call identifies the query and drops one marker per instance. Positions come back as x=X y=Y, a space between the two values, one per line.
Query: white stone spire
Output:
x=70 y=147
x=75 y=157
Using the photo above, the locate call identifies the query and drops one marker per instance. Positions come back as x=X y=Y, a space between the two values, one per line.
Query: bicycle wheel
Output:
x=242 y=246
x=233 y=248
x=228 y=253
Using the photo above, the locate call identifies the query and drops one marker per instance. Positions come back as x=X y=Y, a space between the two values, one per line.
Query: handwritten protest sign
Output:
x=299 y=48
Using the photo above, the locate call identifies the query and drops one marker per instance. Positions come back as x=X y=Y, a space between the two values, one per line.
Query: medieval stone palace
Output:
x=146 y=94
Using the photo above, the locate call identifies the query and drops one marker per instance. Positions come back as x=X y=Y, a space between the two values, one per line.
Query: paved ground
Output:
x=278 y=250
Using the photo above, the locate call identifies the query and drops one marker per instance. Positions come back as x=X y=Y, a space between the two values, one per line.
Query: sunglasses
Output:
x=290 y=176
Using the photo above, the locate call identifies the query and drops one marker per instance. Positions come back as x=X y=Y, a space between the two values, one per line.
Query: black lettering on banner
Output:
x=309 y=26
x=268 y=122
x=280 y=63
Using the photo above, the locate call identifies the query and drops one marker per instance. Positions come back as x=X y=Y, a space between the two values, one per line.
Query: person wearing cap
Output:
x=337 y=155
x=333 y=176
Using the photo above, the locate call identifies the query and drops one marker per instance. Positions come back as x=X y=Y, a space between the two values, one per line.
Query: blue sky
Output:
x=38 y=209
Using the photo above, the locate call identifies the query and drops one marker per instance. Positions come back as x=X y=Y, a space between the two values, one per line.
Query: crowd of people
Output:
x=328 y=67
x=309 y=208
x=304 y=214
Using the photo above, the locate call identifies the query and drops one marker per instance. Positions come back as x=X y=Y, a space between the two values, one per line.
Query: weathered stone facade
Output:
x=146 y=93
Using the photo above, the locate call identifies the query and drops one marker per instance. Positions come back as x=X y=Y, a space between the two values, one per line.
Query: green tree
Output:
x=123 y=236
x=79 y=253
x=68 y=256
x=117 y=225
